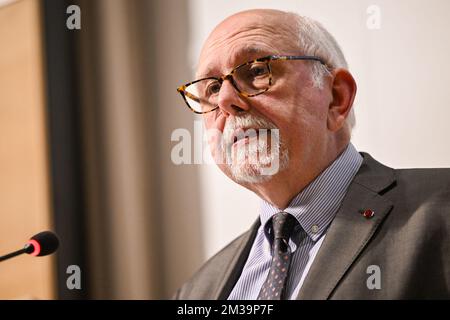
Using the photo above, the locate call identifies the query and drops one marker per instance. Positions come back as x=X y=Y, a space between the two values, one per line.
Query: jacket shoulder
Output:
x=212 y=275
x=425 y=183
x=423 y=197
x=425 y=173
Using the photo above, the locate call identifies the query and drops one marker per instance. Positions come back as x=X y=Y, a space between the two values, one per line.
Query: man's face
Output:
x=292 y=104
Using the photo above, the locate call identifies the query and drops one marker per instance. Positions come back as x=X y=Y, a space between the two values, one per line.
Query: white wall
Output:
x=403 y=100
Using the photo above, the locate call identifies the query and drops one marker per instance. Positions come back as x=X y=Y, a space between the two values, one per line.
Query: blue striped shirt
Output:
x=314 y=208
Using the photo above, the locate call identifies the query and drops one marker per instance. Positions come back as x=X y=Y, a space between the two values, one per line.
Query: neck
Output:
x=286 y=184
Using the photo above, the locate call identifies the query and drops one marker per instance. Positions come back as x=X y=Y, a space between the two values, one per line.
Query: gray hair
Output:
x=315 y=40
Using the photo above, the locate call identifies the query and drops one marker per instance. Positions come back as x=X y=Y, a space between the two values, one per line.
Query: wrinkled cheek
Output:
x=214 y=132
x=215 y=119
x=215 y=144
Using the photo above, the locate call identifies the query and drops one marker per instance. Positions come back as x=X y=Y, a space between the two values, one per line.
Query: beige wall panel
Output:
x=24 y=170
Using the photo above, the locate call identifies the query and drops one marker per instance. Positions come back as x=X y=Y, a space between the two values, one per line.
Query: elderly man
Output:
x=334 y=223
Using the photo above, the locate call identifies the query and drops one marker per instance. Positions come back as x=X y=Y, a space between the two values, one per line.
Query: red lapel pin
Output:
x=368 y=213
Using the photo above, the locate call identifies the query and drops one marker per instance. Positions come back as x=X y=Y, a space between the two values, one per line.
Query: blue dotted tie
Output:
x=275 y=285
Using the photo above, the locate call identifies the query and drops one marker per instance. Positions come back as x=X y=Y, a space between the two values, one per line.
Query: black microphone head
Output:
x=43 y=243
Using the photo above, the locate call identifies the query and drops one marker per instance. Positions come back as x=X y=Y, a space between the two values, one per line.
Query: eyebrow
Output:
x=248 y=50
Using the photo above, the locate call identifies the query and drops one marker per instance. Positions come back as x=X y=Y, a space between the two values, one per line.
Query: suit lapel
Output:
x=350 y=231
x=232 y=272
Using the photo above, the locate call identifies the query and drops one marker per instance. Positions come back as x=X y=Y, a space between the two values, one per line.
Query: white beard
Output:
x=256 y=161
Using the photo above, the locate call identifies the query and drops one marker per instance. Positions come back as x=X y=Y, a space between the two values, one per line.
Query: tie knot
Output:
x=283 y=224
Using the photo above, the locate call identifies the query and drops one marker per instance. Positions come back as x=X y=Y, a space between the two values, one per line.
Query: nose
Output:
x=230 y=102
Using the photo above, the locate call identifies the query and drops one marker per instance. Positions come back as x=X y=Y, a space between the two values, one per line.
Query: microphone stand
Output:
x=27 y=249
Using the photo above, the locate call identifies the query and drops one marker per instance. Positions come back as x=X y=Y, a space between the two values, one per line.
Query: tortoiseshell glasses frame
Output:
x=244 y=69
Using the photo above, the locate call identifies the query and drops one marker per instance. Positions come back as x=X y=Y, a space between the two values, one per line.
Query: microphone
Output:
x=41 y=244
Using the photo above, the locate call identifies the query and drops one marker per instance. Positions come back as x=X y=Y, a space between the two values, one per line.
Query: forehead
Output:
x=243 y=39
x=229 y=59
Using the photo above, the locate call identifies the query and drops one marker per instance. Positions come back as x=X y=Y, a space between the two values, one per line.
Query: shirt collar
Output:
x=316 y=205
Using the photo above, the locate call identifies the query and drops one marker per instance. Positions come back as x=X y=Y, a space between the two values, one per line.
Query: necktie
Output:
x=275 y=285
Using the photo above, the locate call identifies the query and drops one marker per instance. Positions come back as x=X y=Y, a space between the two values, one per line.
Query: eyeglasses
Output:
x=249 y=79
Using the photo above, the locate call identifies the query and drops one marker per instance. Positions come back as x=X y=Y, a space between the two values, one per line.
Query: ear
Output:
x=343 y=90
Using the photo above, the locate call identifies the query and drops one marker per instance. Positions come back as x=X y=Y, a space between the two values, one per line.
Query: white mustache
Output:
x=246 y=121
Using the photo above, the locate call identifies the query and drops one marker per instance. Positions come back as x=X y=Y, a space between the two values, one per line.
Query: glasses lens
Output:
x=202 y=95
x=252 y=78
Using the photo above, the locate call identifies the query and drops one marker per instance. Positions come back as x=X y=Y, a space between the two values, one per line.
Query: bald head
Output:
x=276 y=23
x=261 y=29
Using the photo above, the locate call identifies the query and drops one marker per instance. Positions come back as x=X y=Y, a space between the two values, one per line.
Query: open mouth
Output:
x=241 y=140
x=242 y=136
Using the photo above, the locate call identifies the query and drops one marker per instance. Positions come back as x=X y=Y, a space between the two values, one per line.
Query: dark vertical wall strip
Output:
x=65 y=144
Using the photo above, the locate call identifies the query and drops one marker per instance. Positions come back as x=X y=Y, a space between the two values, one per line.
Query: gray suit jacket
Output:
x=407 y=238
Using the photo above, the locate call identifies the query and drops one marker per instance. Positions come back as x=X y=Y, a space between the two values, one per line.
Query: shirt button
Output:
x=314 y=229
